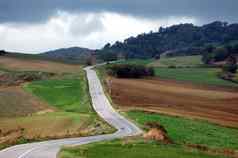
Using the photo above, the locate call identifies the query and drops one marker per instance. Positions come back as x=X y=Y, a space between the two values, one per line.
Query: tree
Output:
x=220 y=54
x=130 y=71
x=231 y=64
x=107 y=46
x=177 y=38
x=235 y=49
x=208 y=55
x=3 y=52
x=157 y=56
x=209 y=48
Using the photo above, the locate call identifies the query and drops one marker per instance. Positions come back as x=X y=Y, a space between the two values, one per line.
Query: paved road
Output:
x=102 y=106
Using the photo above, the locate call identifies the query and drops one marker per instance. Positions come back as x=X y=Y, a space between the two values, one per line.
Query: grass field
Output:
x=136 y=61
x=187 y=131
x=183 y=61
x=131 y=149
x=195 y=75
x=69 y=95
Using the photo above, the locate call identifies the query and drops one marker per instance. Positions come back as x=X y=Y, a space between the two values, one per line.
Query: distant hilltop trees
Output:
x=183 y=39
x=2 y=52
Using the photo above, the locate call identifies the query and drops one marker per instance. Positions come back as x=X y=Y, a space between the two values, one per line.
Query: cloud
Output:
x=40 y=10
x=91 y=30
x=40 y=25
x=86 y=24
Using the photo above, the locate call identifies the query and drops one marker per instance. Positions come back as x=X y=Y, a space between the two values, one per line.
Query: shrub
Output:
x=130 y=71
x=230 y=66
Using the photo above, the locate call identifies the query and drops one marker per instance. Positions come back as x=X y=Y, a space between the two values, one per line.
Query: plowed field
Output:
x=216 y=104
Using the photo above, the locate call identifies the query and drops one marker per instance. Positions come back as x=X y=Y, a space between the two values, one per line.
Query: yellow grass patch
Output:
x=37 y=65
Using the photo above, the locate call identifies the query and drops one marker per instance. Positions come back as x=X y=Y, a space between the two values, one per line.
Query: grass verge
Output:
x=131 y=149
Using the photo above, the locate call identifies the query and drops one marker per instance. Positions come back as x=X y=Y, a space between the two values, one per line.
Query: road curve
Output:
x=102 y=106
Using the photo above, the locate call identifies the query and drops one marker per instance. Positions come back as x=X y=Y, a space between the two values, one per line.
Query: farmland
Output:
x=66 y=94
x=21 y=64
x=217 y=104
x=50 y=108
x=214 y=140
x=190 y=131
x=136 y=61
x=23 y=103
x=183 y=61
x=132 y=148
x=207 y=76
x=196 y=107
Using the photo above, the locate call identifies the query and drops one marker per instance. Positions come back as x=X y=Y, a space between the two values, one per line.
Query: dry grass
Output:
x=49 y=126
x=216 y=104
x=14 y=101
x=37 y=65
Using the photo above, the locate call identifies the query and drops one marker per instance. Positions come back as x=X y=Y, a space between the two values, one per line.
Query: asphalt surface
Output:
x=102 y=106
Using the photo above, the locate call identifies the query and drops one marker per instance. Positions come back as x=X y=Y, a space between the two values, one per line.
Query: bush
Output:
x=230 y=68
x=130 y=71
x=231 y=65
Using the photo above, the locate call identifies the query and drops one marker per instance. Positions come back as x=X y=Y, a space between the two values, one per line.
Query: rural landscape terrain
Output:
x=186 y=107
x=43 y=100
x=128 y=92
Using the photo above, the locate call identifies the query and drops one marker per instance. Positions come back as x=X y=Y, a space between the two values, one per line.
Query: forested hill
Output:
x=186 y=39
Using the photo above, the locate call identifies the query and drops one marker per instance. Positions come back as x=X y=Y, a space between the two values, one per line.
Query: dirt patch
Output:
x=14 y=101
x=12 y=63
x=216 y=104
x=17 y=78
x=157 y=132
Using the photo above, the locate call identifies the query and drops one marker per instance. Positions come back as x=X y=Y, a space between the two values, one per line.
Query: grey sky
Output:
x=78 y=20
x=41 y=10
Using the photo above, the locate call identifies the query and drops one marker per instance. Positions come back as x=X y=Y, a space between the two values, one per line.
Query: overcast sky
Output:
x=34 y=26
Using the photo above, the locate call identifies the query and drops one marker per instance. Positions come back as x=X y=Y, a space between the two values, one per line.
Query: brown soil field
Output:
x=14 y=101
x=216 y=104
x=12 y=63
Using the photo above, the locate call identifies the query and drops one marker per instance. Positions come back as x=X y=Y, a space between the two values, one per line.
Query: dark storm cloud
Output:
x=41 y=10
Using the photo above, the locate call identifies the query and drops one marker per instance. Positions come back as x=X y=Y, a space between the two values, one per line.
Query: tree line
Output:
x=183 y=39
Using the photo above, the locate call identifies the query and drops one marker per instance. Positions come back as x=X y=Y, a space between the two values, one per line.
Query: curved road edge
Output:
x=49 y=149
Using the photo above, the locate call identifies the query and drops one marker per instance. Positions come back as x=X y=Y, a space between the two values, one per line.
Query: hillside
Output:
x=183 y=39
x=42 y=100
x=73 y=54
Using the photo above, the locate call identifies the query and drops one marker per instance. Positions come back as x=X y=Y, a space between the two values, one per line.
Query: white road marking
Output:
x=27 y=152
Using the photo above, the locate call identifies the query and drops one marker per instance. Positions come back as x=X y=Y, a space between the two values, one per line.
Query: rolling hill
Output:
x=72 y=54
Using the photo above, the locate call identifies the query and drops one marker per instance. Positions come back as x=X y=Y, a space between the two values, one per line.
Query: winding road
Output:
x=102 y=106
